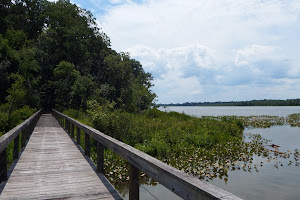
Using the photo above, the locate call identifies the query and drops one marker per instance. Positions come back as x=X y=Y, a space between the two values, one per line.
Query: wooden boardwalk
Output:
x=52 y=167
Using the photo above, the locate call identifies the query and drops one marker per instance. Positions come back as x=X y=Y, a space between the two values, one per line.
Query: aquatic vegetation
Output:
x=263 y=121
x=294 y=119
x=207 y=147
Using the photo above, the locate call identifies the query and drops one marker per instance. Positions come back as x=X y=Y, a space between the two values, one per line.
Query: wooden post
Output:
x=3 y=166
x=30 y=129
x=87 y=144
x=67 y=126
x=72 y=130
x=78 y=135
x=100 y=157
x=23 y=138
x=134 y=175
x=16 y=147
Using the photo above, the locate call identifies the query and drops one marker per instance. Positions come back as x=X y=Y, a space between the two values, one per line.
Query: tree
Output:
x=8 y=65
x=16 y=94
x=82 y=90
x=4 y=11
x=65 y=60
x=65 y=76
x=29 y=69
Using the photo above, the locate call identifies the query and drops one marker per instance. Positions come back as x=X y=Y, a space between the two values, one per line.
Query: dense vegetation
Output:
x=265 y=102
x=52 y=55
x=206 y=147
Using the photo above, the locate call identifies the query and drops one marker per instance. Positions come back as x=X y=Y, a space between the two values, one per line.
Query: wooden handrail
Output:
x=182 y=184
x=26 y=129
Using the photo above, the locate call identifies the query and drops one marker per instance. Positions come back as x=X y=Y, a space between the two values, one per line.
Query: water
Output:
x=270 y=182
x=199 y=111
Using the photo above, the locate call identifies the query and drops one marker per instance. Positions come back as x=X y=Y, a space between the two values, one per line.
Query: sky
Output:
x=208 y=50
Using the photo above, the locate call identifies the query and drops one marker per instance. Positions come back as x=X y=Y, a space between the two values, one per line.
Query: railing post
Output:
x=134 y=175
x=66 y=125
x=23 y=138
x=3 y=165
x=78 y=135
x=100 y=157
x=72 y=130
x=87 y=144
x=29 y=131
x=69 y=127
x=16 y=147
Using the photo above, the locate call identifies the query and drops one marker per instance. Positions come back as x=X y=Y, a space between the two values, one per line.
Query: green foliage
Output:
x=82 y=90
x=16 y=39
x=19 y=115
x=112 y=122
x=204 y=147
x=65 y=59
x=16 y=117
x=65 y=76
x=158 y=133
x=16 y=94
x=3 y=118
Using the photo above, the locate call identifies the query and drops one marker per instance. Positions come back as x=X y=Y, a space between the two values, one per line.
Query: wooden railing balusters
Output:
x=23 y=138
x=78 y=135
x=25 y=129
x=100 y=157
x=72 y=130
x=182 y=184
x=16 y=147
x=3 y=165
x=69 y=127
x=87 y=144
x=134 y=175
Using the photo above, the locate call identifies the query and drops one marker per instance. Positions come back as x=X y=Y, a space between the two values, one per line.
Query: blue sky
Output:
x=200 y=50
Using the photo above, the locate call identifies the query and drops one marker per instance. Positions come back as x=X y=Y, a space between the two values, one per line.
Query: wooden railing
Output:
x=182 y=184
x=24 y=129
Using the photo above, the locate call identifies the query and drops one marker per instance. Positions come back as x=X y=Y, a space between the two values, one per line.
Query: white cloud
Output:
x=188 y=72
x=174 y=88
x=169 y=23
x=184 y=60
x=211 y=50
x=254 y=53
x=116 y=1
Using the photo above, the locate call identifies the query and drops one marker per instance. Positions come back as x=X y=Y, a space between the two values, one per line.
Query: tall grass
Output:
x=205 y=147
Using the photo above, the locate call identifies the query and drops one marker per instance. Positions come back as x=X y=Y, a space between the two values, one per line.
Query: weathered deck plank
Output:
x=52 y=167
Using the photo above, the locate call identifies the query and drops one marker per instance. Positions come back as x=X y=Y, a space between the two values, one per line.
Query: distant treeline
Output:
x=265 y=102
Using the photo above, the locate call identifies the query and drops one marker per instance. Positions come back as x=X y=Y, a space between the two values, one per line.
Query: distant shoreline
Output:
x=265 y=102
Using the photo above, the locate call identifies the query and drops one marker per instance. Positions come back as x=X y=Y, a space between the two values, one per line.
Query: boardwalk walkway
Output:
x=52 y=167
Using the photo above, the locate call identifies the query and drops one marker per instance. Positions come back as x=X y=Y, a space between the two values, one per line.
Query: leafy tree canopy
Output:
x=53 y=55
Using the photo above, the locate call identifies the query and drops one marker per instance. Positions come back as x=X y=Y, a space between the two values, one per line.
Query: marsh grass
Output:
x=206 y=147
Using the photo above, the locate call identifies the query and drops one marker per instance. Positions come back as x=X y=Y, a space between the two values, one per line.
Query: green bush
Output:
x=17 y=117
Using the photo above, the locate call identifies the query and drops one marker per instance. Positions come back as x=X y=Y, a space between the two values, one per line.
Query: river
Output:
x=199 y=111
x=269 y=182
